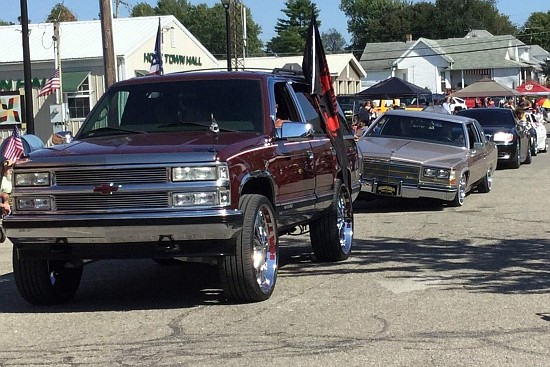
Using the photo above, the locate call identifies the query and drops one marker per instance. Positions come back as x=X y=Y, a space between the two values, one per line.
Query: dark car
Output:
x=350 y=104
x=185 y=166
x=511 y=138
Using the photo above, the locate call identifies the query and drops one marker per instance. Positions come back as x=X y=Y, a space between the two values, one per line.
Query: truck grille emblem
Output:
x=106 y=189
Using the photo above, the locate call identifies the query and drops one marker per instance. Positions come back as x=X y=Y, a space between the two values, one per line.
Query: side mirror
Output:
x=478 y=145
x=294 y=129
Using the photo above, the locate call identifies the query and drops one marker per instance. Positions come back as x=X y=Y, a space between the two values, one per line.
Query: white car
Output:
x=541 y=144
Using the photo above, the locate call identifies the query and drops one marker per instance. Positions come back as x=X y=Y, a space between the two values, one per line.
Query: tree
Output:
x=206 y=23
x=292 y=30
x=60 y=13
x=536 y=30
x=333 y=40
x=6 y=23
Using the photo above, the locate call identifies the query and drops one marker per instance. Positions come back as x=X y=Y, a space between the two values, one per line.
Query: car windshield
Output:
x=491 y=116
x=191 y=105
x=421 y=129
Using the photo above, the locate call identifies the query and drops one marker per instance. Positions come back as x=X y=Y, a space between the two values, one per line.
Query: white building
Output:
x=346 y=72
x=82 y=64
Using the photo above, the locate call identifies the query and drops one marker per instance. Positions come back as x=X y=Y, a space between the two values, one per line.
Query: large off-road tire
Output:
x=250 y=275
x=45 y=282
x=460 y=191
x=332 y=233
x=486 y=183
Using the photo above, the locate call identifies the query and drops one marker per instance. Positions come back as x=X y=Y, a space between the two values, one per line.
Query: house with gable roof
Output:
x=450 y=64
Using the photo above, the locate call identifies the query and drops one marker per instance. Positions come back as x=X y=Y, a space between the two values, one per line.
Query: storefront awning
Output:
x=72 y=80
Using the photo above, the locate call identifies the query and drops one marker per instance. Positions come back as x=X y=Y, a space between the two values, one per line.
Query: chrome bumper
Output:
x=408 y=191
x=119 y=229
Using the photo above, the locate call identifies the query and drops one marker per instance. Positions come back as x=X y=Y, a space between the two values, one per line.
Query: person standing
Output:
x=447 y=105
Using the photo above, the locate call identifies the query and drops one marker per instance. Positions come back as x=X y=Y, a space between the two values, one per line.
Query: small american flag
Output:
x=51 y=85
x=14 y=147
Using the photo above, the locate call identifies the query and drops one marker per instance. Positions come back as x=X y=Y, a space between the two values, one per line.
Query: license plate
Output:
x=386 y=189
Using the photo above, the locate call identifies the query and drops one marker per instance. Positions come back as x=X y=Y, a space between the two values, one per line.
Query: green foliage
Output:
x=206 y=23
x=60 y=13
x=6 y=23
x=536 y=30
x=292 y=30
x=391 y=20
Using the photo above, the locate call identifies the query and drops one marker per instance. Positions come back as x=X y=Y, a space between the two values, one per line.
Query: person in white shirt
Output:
x=447 y=105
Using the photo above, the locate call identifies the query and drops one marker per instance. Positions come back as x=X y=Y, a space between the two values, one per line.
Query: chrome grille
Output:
x=96 y=201
x=118 y=176
x=391 y=172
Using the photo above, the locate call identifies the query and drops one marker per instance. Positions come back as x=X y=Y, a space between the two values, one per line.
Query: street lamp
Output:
x=226 y=4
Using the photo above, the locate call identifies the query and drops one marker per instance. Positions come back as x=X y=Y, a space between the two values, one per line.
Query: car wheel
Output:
x=517 y=161
x=534 y=148
x=250 y=274
x=43 y=281
x=529 y=157
x=460 y=191
x=332 y=234
x=487 y=182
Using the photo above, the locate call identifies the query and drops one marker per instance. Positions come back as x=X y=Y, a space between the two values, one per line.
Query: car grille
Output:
x=117 y=176
x=97 y=202
x=391 y=172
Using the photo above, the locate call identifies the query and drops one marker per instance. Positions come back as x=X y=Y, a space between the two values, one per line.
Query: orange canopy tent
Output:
x=533 y=88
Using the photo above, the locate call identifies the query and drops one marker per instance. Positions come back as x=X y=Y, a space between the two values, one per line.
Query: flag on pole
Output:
x=156 y=64
x=14 y=147
x=317 y=74
x=51 y=84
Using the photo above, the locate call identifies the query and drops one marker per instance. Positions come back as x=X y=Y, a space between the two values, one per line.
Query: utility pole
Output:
x=238 y=33
x=29 y=113
x=108 y=47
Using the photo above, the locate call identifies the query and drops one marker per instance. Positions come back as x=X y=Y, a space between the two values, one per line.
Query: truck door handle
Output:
x=309 y=155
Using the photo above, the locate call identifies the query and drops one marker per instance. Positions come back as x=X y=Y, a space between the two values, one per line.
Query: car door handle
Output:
x=309 y=155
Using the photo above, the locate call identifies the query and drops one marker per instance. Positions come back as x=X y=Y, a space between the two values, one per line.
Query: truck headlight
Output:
x=32 y=179
x=437 y=173
x=212 y=198
x=34 y=203
x=503 y=137
x=199 y=173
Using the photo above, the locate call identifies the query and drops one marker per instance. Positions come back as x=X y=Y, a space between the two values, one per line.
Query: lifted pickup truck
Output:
x=186 y=166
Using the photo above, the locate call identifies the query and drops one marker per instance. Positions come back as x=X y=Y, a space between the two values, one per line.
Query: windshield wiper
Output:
x=104 y=131
x=206 y=125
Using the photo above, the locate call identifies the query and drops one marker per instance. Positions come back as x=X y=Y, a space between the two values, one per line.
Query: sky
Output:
x=264 y=12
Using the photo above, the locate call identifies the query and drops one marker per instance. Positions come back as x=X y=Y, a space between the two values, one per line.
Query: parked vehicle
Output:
x=415 y=154
x=540 y=143
x=184 y=166
x=512 y=140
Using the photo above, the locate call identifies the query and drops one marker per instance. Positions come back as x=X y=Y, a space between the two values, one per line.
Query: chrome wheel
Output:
x=460 y=192
x=265 y=257
x=344 y=221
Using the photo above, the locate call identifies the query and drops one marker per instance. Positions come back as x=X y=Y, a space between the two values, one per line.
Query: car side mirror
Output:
x=478 y=145
x=295 y=129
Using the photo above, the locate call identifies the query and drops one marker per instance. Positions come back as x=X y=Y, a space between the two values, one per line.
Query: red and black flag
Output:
x=316 y=72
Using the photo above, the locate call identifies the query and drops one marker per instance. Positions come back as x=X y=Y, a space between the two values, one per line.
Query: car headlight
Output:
x=32 y=179
x=199 y=173
x=503 y=137
x=437 y=173
x=34 y=203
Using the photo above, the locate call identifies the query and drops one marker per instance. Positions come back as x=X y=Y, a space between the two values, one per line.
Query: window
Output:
x=79 y=102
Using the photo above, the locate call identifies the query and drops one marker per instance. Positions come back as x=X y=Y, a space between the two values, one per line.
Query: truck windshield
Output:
x=191 y=105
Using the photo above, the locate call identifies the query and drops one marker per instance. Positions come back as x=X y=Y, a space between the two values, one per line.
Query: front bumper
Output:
x=507 y=152
x=138 y=235
x=408 y=191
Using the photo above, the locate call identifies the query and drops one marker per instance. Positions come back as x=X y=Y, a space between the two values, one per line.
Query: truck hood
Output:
x=411 y=151
x=147 y=148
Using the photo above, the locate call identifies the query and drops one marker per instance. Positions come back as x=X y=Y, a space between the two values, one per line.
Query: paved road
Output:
x=426 y=286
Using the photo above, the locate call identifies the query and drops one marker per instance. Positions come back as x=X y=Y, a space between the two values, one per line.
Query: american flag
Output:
x=51 y=85
x=14 y=147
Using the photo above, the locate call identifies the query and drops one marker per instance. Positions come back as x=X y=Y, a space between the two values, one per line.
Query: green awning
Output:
x=72 y=80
